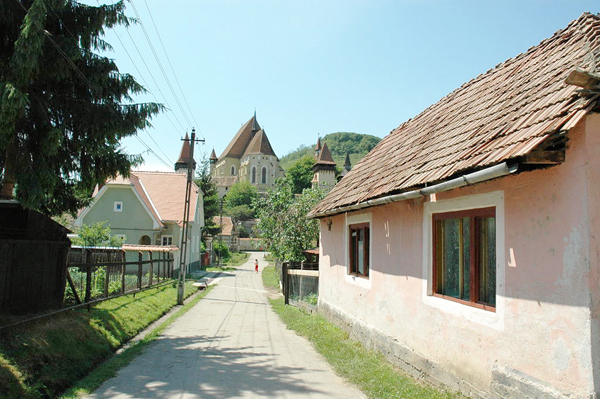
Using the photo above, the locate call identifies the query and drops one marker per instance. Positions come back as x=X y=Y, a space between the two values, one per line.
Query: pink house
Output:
x=466 y=245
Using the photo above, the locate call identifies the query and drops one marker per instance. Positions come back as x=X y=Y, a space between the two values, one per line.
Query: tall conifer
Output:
x=63 y=107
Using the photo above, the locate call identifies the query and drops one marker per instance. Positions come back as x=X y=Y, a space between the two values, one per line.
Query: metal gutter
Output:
x=493 y=172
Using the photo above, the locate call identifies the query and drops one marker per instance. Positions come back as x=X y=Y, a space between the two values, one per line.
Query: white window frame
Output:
x=493 y=199
x=357 y=219
x=118 y=206
x=162 y=240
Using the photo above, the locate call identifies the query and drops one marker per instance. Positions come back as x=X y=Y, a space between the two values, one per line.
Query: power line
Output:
x=159 y=63
x=152 y=151
x=170 y=65
x=152 y=76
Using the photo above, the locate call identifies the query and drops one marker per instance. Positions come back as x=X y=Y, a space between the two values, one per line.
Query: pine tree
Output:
x=63 y=107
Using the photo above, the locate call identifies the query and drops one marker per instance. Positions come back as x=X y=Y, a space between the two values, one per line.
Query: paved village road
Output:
x=230 y=345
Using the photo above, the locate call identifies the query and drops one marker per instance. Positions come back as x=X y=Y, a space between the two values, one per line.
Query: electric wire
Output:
x=159 y=63
x=152 y=151
x=170 y=65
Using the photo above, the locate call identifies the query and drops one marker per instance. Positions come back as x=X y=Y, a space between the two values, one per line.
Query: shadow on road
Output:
x=189 y=367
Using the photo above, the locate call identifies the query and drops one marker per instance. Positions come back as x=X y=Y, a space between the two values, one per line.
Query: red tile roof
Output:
x=324 y=157
x=259 y=145
x=163 y=193
x=502 y=114
x=240 y=141
x=227 y=226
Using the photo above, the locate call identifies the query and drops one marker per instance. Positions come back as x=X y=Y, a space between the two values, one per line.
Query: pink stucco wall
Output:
x=545 y=329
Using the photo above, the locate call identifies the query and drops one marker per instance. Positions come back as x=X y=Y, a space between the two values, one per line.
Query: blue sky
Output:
x=315 y=67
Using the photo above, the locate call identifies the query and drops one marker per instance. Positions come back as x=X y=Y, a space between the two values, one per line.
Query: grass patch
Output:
x=368 y=370
x=43 y=358
x=219 y=268
x=110 y=368
x=270 y=278
x=237 y=259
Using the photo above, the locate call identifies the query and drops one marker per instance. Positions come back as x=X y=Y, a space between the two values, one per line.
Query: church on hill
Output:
x=248 y=157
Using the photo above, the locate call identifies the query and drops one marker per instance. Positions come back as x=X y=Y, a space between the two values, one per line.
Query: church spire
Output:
x=255 y=125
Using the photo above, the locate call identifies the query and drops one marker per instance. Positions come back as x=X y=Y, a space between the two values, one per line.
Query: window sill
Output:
x=359 y=275
x=358 y=280
x=481 y=306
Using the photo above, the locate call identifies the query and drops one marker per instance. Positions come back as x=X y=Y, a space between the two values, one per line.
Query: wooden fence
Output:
x=96 y=273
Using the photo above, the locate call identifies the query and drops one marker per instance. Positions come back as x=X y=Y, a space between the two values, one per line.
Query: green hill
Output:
x=356 y=144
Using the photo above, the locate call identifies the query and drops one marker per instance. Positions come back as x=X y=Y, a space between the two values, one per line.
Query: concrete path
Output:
x=230 y=345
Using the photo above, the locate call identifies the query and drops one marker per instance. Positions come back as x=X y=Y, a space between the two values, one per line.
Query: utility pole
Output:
x=221 y=231
x=186 y=220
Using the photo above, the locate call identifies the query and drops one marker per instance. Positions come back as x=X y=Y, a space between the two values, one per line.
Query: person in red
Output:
x=256 y=265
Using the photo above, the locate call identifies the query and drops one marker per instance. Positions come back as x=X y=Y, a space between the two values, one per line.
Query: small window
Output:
x=118 y=207
x=464 y=256
x=145 y=240
x=167 y=240
x=232 y=170
x=253 y=175
x=359 y=249
x=264 y=176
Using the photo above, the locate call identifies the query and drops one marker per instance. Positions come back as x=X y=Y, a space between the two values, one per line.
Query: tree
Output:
x=211 y=198
x=283 y=224
x=241 y=193
x=300 y=174
x=96 y=235
x=63 y=107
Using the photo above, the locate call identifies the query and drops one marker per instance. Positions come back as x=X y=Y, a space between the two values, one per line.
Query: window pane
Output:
x=451 y=275
x=360 y=253
x=465 y=263
x=487 y=260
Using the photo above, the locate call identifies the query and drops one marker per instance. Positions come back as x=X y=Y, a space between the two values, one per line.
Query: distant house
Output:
x=148 y=208
x=466 y=245
x=228 y=233
x=248 y=157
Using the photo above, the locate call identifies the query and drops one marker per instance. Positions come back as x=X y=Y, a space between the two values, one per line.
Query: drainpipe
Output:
x=493 y=172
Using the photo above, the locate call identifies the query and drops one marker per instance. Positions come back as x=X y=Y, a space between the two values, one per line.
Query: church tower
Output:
x=324 y=168
x=181 y=166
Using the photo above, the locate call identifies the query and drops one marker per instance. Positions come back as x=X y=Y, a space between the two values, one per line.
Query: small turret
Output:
x=181 y=166
x=213 y=160
x=318 y=148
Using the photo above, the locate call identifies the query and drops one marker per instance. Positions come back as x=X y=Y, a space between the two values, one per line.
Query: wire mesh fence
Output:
x=300 y=282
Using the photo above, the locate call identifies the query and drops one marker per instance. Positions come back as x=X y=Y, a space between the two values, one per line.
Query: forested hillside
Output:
x=356 y=144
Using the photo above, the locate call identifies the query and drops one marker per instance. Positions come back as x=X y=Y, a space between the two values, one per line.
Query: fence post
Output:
x=159 y=263
x=123 y=269
x=106 y=280
x=151 y=270
x=284 y=278
x=88 y=275
x=139 y=270
x=171 y=265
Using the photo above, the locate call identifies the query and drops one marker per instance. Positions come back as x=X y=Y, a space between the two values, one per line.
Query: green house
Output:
x=147 y=209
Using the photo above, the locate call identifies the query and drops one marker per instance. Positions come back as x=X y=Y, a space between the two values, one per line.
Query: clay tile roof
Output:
x=240 y=141
x=227 y=227
x=260 y=145
x=502 y=114
x=324 y=156
x=165 y=193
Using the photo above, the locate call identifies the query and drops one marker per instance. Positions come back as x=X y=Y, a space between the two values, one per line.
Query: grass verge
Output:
x=43 y=358
x=368 y=370
x=110 y=368
x=270 y=278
